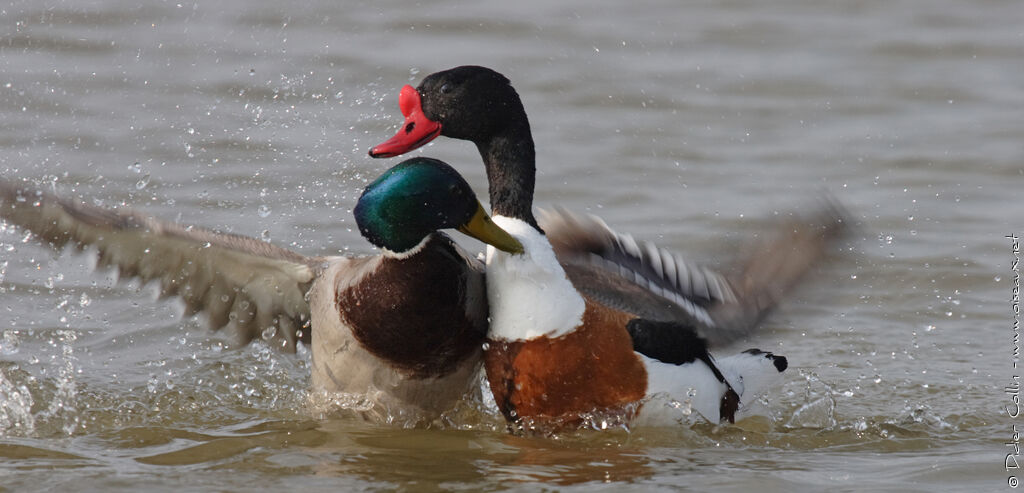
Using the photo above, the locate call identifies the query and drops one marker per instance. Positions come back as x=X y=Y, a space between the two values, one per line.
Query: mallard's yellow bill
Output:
x=482 y=228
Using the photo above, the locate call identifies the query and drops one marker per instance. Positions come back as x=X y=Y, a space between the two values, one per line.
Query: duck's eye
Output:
x=446 y=88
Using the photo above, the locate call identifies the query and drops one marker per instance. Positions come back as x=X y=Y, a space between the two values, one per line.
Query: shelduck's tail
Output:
x=751 y=374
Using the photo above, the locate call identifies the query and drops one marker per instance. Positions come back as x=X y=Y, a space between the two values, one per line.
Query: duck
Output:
x=480 y=105
x=556 y=358
x=590 y=322
x=403 y=328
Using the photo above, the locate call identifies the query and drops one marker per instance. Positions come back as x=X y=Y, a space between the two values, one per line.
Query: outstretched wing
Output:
x=255 y=289
x=656 y=284
x=637 y=277
x=773 y=265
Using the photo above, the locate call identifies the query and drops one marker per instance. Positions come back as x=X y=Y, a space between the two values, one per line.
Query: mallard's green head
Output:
x=419 y=196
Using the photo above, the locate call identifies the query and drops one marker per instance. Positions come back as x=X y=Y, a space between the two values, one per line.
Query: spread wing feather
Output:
x=657 y=284
x=253 y=288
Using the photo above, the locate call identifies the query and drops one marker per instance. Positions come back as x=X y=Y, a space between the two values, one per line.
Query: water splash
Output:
x=922 y=414
x=9 y=343
x=63 y=406
x=16 y=416
x=819 y=407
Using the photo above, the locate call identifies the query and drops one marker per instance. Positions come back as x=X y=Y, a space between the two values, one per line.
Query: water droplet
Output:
x=143 y=182
x=269 y=333
x=263 y=210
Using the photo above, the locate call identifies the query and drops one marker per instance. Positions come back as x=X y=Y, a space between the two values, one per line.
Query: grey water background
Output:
x=688 y=123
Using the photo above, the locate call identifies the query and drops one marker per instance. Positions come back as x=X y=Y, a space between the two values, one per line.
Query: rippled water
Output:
x=688 y=123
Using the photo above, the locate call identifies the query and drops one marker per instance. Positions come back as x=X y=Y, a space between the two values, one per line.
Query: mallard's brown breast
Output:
x=412 y=312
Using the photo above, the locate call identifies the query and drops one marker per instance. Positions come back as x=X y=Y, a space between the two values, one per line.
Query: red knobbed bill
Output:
x=416 y=131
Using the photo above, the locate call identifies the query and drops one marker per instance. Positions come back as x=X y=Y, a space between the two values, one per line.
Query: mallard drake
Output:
x=403 y=328
x=480 y=105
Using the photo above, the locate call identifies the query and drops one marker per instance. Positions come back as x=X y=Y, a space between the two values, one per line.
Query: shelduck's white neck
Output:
x=529 y=294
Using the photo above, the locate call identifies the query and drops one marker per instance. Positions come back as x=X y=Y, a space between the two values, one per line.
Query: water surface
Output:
x=689 y=124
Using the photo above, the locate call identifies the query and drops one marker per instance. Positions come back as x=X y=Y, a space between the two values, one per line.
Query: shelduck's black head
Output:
x=469 y=103
x=476 y=104
x=419 y=196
